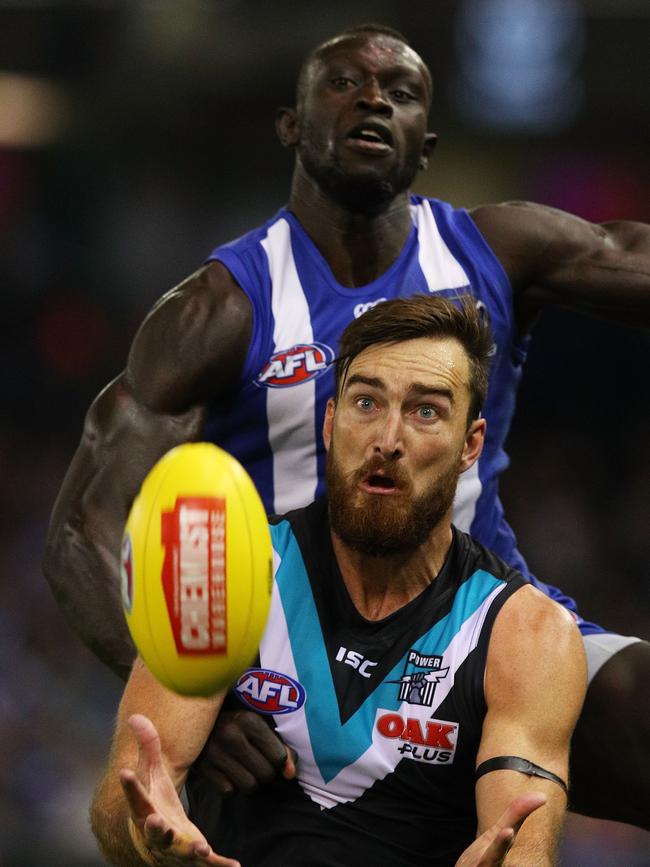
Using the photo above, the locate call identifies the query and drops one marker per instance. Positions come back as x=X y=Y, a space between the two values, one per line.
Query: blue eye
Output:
x=427 y=412
x=365 y=404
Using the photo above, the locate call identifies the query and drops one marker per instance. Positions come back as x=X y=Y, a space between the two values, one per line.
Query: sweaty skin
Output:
x=353 y=202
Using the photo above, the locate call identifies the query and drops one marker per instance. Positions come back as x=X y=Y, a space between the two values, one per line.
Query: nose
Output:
x=389 y=438
x=371 y=98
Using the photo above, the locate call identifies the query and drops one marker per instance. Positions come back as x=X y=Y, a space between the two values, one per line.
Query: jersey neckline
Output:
x=373 y=288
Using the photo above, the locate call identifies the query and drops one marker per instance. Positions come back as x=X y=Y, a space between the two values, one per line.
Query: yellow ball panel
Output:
x=201 y=570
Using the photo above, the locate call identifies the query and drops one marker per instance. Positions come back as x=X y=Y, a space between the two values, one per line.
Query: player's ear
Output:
x=474 y=439
x=287 y=126
x=328 y=422
x=430 y=140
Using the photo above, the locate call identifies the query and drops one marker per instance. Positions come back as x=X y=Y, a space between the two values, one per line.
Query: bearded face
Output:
x=386 y=524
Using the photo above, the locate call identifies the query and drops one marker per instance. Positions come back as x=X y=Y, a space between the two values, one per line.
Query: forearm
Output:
x=109 y=820
x=533 y=852
x=81 y=564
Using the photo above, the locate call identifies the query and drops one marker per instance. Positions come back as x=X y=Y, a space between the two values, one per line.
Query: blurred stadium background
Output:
x=134 y=137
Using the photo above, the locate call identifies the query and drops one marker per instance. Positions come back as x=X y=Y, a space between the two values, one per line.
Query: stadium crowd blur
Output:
x=135 y=136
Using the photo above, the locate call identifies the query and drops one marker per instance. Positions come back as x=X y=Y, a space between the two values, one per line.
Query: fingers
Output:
x=138 y=799
x=519 y=809
x=244 y=752
x=289 y=769
x=228 y=773
x=263 y=737
x=507 y=827
x=180 y=848
x=498 y=849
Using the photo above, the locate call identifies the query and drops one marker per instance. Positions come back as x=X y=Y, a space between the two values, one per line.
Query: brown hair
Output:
x=423 y=316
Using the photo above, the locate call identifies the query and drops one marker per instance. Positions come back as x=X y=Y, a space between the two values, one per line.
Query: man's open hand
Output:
x=160 y=830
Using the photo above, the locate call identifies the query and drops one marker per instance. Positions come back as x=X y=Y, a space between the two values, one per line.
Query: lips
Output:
x=378 y=481
x=371 y=137
x=375 y=480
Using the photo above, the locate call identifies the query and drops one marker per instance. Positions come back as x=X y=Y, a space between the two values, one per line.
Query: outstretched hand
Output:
x=243 y=752
x=160 y=829
x=490 y=849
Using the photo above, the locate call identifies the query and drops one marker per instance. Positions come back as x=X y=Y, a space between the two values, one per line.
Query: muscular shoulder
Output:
x=192 y=343
x=535 y=645
x=530 y=617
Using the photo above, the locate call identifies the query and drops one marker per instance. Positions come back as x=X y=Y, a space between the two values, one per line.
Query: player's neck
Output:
x=359 y=248
x=378 y=586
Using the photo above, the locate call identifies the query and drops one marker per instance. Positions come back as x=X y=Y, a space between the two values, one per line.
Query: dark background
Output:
x=135 y=137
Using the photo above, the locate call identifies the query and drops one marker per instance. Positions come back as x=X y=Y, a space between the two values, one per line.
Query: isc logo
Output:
x=269 y=691
x=356 y=660
x=293 y=366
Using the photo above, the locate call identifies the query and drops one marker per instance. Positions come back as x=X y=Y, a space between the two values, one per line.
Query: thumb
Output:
x=289 y=767
x=147 y=738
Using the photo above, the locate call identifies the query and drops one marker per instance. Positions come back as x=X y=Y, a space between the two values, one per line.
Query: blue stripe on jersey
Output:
x=335 y=747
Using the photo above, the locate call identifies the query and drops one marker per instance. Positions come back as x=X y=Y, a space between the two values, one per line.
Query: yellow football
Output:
x=196 y=569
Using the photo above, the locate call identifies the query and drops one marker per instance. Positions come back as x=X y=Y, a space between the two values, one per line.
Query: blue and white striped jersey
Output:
x=273 y=423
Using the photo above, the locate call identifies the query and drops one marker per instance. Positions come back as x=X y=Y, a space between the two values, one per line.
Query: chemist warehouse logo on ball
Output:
x=270 y=692
x=296 y=365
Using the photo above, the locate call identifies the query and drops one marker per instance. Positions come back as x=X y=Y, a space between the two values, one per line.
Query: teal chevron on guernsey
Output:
x=336 y=747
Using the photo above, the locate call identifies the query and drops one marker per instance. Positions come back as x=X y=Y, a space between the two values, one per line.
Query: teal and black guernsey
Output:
x=385 y=716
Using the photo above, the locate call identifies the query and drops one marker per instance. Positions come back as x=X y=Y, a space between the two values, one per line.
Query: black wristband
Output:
x=515 y=763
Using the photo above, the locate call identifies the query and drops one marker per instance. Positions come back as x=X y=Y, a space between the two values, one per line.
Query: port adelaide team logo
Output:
x=417 y=736
x=270 y=692
x=296 y=365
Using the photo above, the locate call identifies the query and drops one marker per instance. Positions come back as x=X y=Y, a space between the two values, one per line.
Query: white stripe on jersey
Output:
x=441 y=270
x=290 y=411
x=468 y=490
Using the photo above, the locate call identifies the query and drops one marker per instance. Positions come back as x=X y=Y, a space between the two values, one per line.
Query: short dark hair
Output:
x=423 y=316
x=356 y=30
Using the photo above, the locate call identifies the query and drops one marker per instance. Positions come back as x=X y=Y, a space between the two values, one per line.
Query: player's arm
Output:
x=553 y=257
x=136 y=814
x=189 y=349
x=535 y=683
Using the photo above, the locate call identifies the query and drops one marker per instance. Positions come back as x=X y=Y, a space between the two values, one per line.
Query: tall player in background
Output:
x=239 y=353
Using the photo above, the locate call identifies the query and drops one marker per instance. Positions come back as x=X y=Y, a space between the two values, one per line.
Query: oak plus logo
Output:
x=295 y=365
x=270 y=692
x=426 y=740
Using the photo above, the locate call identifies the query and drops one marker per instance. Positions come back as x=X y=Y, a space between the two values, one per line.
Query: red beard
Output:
x=383 y=525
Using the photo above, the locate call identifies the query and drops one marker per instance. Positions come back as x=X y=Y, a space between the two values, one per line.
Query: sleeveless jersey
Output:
x=385 y=716
x=274 y=422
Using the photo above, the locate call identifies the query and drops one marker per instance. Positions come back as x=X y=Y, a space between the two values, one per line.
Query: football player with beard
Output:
x=374 y=591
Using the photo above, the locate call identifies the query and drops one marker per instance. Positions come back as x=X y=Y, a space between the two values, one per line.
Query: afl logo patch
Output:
x=126 y=573
x=270 y=692
x=296 y=365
